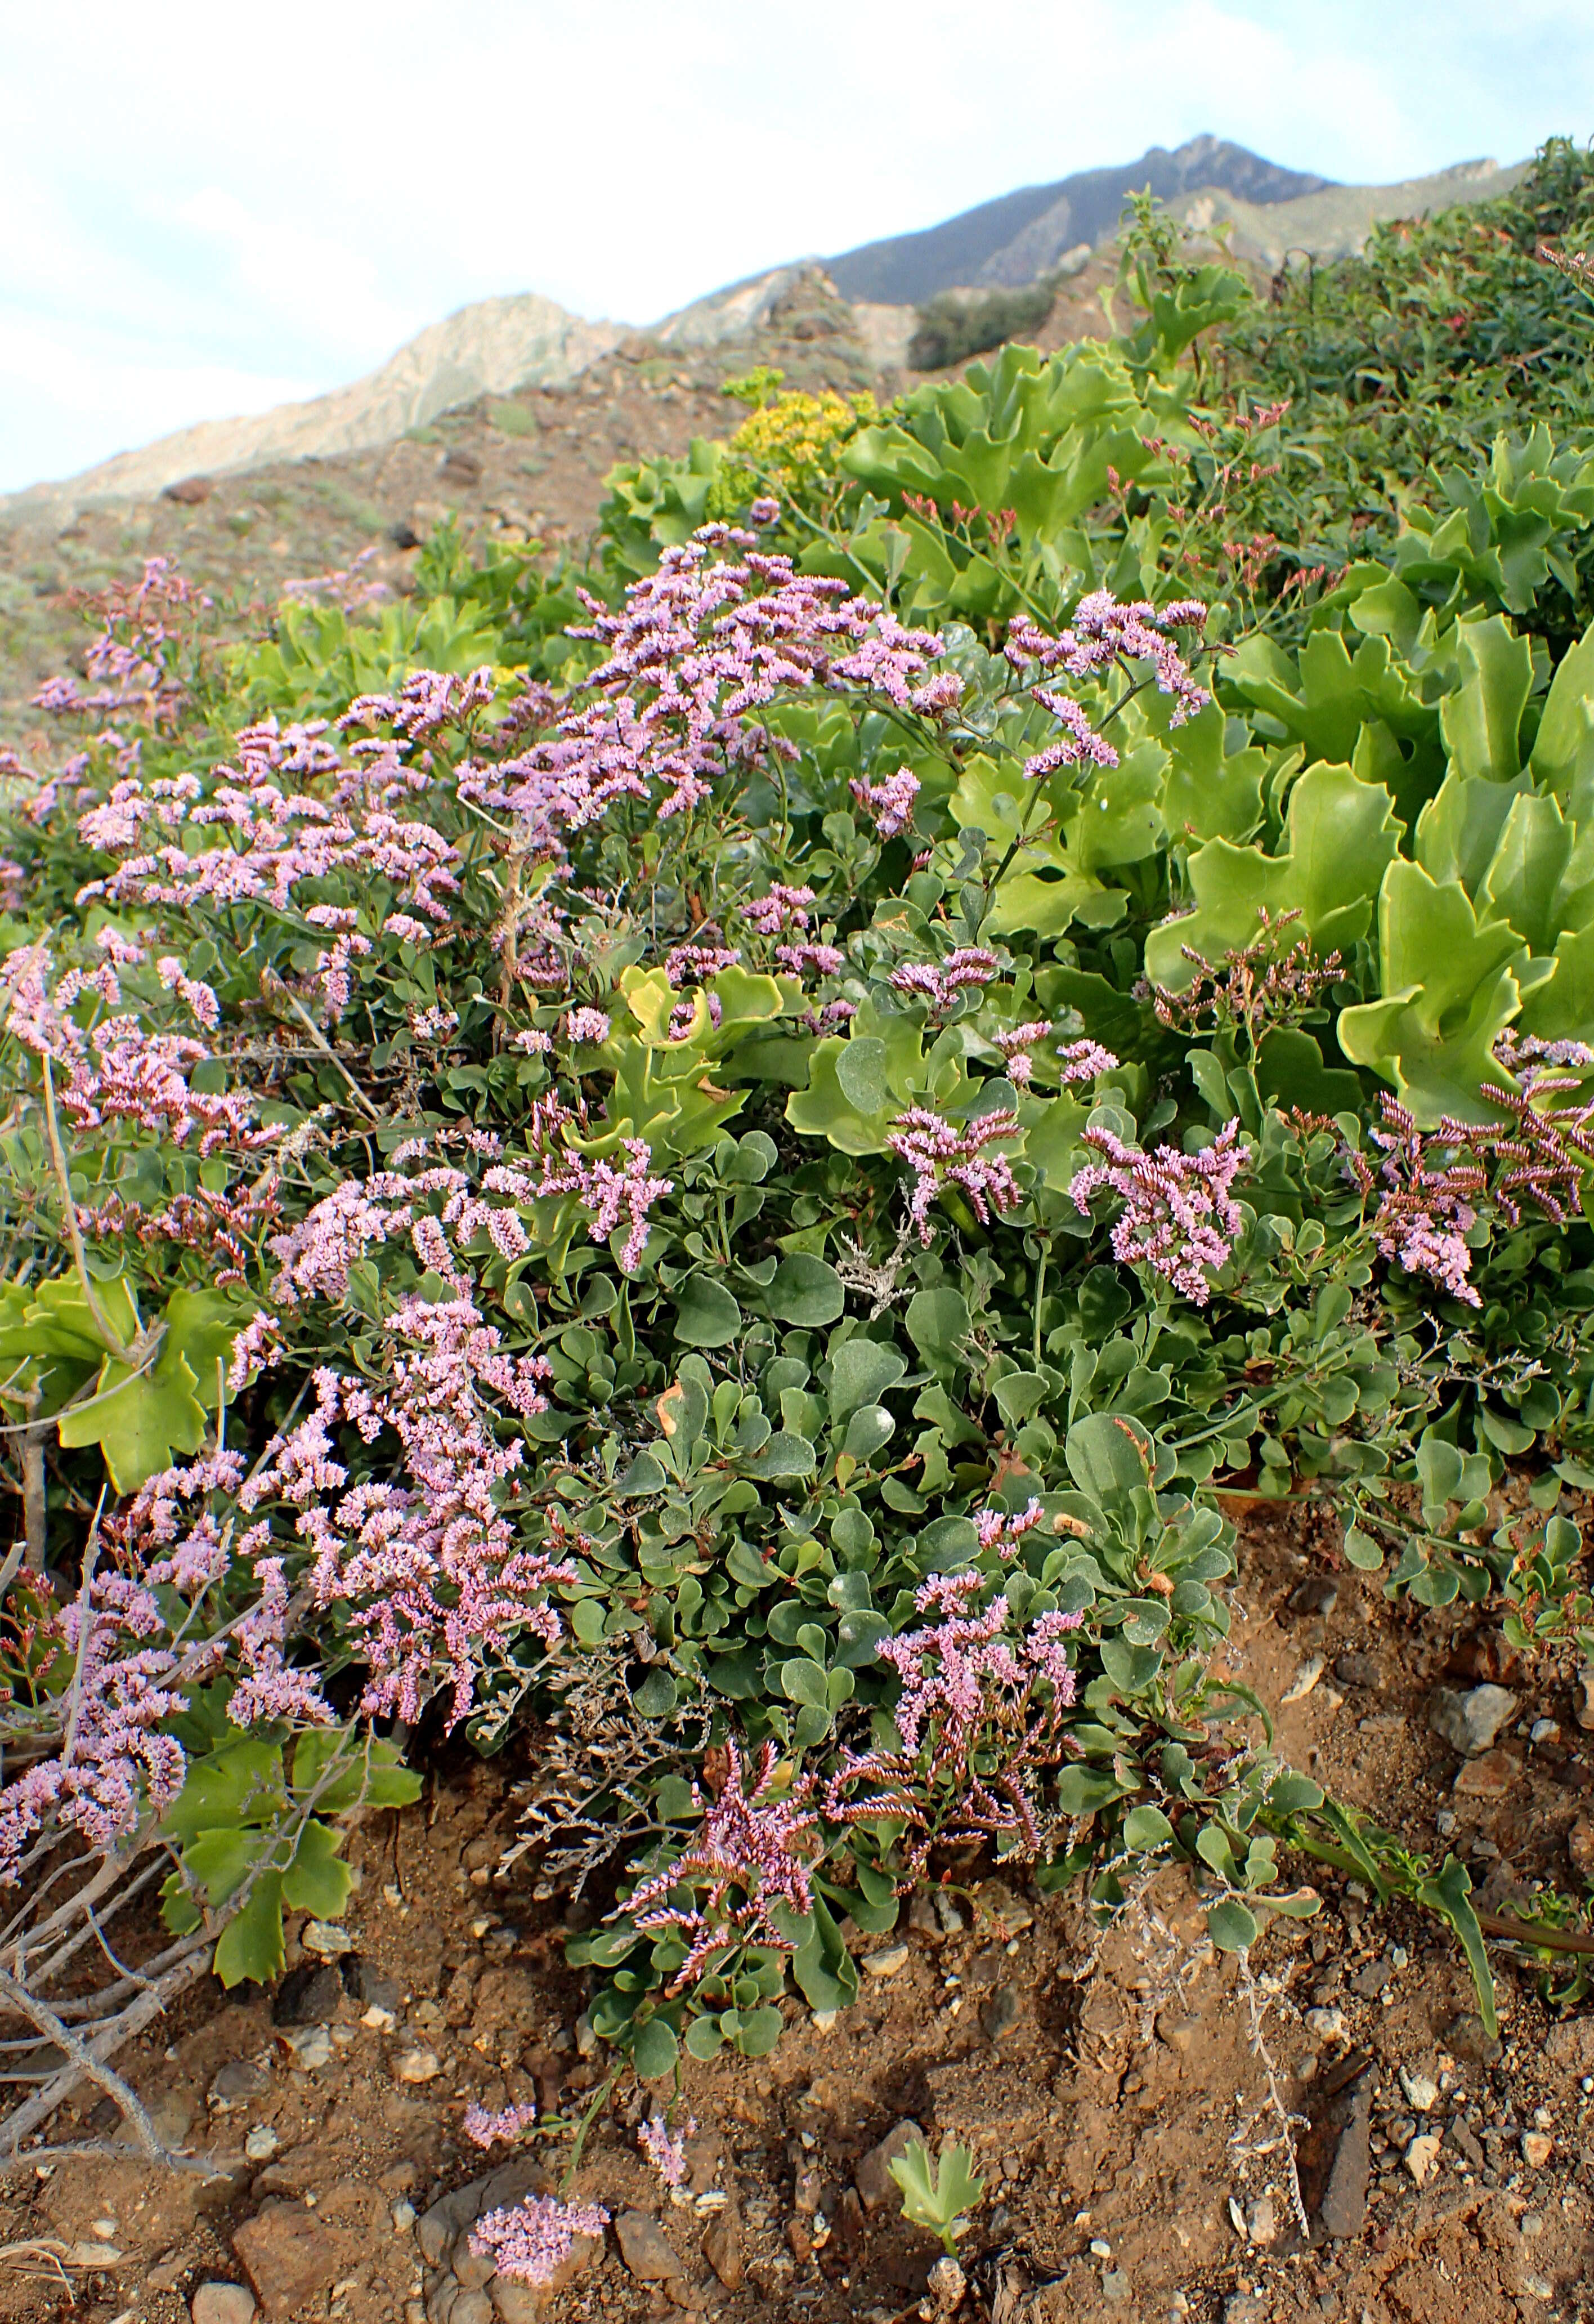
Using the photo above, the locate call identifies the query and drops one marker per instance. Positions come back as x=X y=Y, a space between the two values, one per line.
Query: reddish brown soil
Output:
x=1119 y=2115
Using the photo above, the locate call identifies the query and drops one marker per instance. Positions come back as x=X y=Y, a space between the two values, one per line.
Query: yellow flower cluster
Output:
x=787 y=445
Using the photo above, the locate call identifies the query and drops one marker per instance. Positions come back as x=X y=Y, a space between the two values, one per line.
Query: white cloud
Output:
x=232 y=200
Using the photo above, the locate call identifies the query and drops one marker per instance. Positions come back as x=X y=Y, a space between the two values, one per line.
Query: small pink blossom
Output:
x=529 y=2242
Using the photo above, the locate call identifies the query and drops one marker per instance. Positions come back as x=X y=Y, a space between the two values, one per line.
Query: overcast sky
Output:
x=207 y=209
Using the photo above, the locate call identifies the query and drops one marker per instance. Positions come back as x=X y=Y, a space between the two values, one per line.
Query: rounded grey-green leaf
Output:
x=707 y=1316
x=805 y=1292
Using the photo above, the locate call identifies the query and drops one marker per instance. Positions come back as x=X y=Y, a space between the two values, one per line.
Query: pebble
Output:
x=1357 y=1670
x=308 y=1996
x=1178 y=2033
x=887 y=1962
x=1467 y=2036
x=1326 y=2024
x=946 y=2284
x=288 y=2257
x=1318 y=1594
x=262 y=2144
x=1580 y=1848
x=1470 y=1722
x=1344 y=2208
x=1536 y=2148
x=1304 y=1680
x=1460 y=2136
x=1001 y=2012
x=1261 y=2224
x=1115 y=2285
x=1584 y=1707
x=722 y=2248
x=1421 y=2094
x=403 y=2217
x=378 y=2020
x=326 y=1939
x=1422 y=2157
x=416 y=2066
x=645 y=2249
x=172 y=2119
x=309 y=2048
x=872 y=2176
x=1492 y=1775
x=223 y=2303
x=243 y=2079
x=1244 y=2308
x=824 y=2021
x=367 y=1983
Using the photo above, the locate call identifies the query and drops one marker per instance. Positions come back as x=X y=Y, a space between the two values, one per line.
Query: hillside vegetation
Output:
x=742 y=1138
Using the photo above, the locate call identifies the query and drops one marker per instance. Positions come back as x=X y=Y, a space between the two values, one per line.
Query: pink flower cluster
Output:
x=940 y=1156
x=782 y=907
x=530 y=2241
x=135 y=1661
x=890 y=804
x=1104 y=631
x=939 y=982
x=954 y=1668
x=699 y=649
x=1178 y=1216
x=268 y=839
x=483 y=2129
x=665 y=2149
x=750 y=1842
x=999 y=1530
x=427 y=1576
x=118 y=1071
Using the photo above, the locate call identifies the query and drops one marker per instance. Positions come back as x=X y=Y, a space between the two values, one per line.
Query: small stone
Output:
x=1536 y=2148
x=1467 y=2036
x=887 y=1962
x=1544 y=1731
x=326 y=1939
x=1344 y=2208
x=470 y=2305
x=474 y=2269
x=1303 y=1681
x=223 y=2303
x=172 y=2119
x=1422 y=2157
x=416 y=2066
x=262 y=2144
x=403 y=2217
x=1261 y=2224
x=824 y=2021
x=1001 y=2012
x=528 y=2304
x=1318 y=1594
x=1580 y=1848
x=289 y=2258
x=1470 y=1722
x=1460 y=2136
x=1583 y=1710
x=1492 y=1775
x=235 y=2084
x=1357 y=1670
x=946 y=2284
x=1244 y=2308
x=365 y=1982
x=1326 y=2024
x=308 y=1996
x=1421 y=2095
x=997 y=1902
x=799 y=2240
x=377 y=2020
x=1370 y=1980
x=645 y=2250
x=946 y=1913
x=722 y=2248
x=309 y=2048
x=1115 y=2285
x=1177 y=2033
x=872 y=2176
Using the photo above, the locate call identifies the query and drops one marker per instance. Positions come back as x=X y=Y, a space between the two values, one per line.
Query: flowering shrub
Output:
x=775 y=1156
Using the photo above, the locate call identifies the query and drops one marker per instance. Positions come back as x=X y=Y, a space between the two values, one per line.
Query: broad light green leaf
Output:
x=1449 y=995
x=1339 y=834
x=806 y=1291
